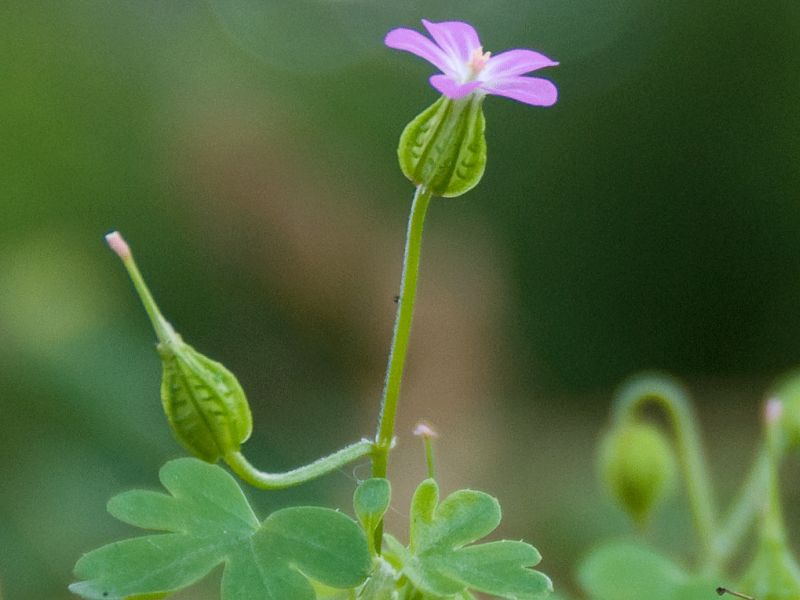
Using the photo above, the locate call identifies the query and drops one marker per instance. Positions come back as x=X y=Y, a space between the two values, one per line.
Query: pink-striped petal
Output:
x=453 y=89
x=514 y=62
x=416 y=43
x=530 y=90
x=457 y=39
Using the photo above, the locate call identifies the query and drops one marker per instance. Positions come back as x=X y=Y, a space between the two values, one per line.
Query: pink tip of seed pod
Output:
x=119 y=245
x=773 y=410
x=424 y=430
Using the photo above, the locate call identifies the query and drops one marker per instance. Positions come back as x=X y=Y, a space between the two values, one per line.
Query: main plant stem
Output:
x=402 y=331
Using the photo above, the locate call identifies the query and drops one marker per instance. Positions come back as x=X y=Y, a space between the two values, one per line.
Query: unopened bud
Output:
x=424 y=430
x=638 y=467
x=787 y=395
x=444 y=148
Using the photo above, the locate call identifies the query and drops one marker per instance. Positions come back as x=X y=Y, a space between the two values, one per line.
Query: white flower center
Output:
x=478 y=61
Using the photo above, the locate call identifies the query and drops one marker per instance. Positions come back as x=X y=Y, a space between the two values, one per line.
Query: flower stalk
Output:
x=402 y=332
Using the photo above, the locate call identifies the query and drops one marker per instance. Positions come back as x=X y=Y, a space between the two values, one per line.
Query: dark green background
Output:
x=247 y=151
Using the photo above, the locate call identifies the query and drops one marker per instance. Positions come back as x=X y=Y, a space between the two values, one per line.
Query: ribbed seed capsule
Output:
x=204 y=403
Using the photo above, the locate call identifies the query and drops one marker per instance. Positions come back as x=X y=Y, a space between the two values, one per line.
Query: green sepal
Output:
x=444 y=147
x=206 y=521
x=204 y=403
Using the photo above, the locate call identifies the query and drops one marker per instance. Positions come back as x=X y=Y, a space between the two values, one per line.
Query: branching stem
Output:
x=276 y=481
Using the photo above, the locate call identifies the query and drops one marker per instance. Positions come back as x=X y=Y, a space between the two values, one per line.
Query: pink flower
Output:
x=465 y=68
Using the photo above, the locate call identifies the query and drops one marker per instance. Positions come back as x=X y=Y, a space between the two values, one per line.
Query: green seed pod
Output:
x=444 y=147
x=638 y=467
x=204 y=403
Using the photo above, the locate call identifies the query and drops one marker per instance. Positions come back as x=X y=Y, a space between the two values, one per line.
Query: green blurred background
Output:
x=246 y=149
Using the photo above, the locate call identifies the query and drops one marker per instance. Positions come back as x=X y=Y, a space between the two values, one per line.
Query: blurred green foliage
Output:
x=247 y=151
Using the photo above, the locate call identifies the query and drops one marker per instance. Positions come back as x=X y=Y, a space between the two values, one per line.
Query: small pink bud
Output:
x=773 y=410
x=118 y=245
x=425 y=430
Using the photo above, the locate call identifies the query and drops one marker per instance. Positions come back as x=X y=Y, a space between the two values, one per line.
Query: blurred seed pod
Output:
x=637 y=466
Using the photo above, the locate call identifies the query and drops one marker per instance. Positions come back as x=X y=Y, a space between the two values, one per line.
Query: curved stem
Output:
x=276 y=481
x=748 y=503
x=673 y=399
x=402 y=331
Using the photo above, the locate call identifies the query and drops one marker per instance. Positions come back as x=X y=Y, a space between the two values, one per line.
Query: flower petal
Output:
x=514 y=62
x=453 y=89
x=530 y=90
x=416 y=43
x=456 y=38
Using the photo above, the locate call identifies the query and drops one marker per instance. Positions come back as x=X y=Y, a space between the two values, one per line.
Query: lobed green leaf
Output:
x=209 y=522
x=629 y=571
x=626 y=571
x=438 y=563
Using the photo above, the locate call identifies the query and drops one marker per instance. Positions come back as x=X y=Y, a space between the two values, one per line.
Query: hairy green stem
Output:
x=429 y=460
x=384 y=437
x=402 y=331
x=672 y=398
x=276 y=481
